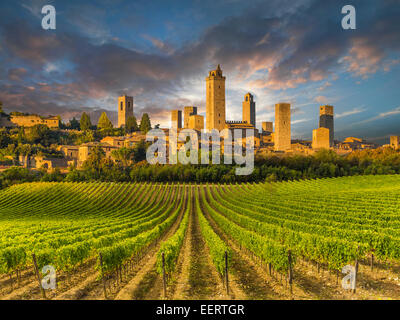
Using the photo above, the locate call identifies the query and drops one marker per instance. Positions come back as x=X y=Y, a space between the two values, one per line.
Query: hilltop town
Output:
x=273 y=138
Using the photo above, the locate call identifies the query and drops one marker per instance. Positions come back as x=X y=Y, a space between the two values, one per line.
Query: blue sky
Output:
x=161 y=51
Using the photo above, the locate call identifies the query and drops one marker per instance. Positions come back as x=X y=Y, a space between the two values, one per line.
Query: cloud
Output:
x=270 y=46
x=389 y=113
x=300 y=121
x=321 y=99
x=349 y=113
x=16 y=74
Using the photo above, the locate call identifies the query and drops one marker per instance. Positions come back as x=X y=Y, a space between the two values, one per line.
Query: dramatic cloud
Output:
x=350 y=112
x=263 y=47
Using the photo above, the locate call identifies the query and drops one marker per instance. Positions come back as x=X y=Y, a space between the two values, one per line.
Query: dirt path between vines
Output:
x=146 y=283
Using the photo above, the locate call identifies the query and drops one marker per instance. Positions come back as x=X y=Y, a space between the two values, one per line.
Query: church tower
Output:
x=249 y=110
x=215 y=100
x=125 y=109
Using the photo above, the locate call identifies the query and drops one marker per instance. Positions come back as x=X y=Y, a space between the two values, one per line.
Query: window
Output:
x=247 y=98
x=122 y=106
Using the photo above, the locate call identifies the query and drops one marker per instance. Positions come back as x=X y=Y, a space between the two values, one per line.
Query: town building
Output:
x=196 y=122
x=215 y=100
x=282 y=135
x=176 y=119
x=326 y=121
x=321 y=138
x=125 y=109
x=394 y=142
x=249 y=109
x=30 y=120
x=187 y=112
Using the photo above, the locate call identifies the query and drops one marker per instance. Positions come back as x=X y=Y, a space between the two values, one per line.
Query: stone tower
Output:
x=395 y=142
x=125 y=109
x=249 y=109
x=282 y=138
x=215 y=100
x=267 y=127
x=176 y=119
x=320 y=138
x=326 y=121
x=187 y=112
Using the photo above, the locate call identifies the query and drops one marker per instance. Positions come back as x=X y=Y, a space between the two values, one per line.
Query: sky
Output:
x=160 y=52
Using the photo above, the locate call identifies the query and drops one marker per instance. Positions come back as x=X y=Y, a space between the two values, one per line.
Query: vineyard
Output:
x=284 y=240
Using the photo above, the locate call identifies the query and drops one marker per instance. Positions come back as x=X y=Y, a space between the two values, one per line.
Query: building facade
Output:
x=267 y=127
x=282 y=135
x=176 y=119
x=249 y=109
x=33 y=119
x=326 y=121
x=320 y=138
x=395 y=142
x=215 y=100
x=196 y=122
x=187 y=112
x=125 y=109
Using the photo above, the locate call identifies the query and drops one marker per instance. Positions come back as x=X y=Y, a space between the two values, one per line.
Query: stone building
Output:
x=215 y=100
x=196 y=122
x=176 y=119
x=33 y=119
x=125 y=109
x=249 y=109
x=267 y=127
x=187 y=112
x=282 y=138
x=326 y=121
x=394 y=142
x=320 y=138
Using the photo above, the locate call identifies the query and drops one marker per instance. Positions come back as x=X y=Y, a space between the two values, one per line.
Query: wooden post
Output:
x=372 y=262
x=102 y=276
x=164 y=278
x=355 y=276
x=226 y=273
x=38 y=276
x=290 y=271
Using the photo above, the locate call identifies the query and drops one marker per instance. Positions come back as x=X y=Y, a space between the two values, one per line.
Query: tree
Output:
x=124 y=155
x=40 y=133
x=95 y=159
x=145 y=124
x=131 y=125
x=5 y=138
x=85 y=122
x=74 y=124
x=104 y=122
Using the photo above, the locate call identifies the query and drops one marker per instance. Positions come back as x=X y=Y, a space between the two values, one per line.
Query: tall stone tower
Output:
x=176 y=119
x=125 y=109
x=282 y=138
x=187 y=112
x=395 y=142
x=215 y=100
x=320 y=138
x=326 y=121
x=249 y=109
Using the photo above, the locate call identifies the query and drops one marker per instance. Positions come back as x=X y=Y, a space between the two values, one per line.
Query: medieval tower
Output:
x=215 y=100
x=282 y=138
x=125 y=109
x=326 y=121
x=187 y=112
x=176 y=119
x=249 y=109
